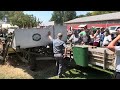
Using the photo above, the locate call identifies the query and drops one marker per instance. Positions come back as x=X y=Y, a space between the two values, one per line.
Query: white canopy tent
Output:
x=82 y=25
x=15 y=26
x=7 y=26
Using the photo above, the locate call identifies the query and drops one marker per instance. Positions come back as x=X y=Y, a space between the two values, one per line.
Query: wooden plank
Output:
x=112 y=57
x=99 y=50
x=108 y=66
x=96 y=63
x=108 y=58
x=96 y=55
x=96 y=58
x=110 y=61
x=44 y=58
x=104 y=60
x=111 y=67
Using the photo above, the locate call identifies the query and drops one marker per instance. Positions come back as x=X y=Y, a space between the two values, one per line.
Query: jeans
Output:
x=59 y=64
x=117 y=75
x=101 y=42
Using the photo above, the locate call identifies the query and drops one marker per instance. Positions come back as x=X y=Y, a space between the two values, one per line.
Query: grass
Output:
x=46 y=70
x=9 y=72
x=86 y=73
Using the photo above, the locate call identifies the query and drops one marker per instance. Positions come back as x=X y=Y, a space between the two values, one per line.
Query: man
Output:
x=74 y=38
x=101 y=36
x=117 y=33
x=83 y=32
x=83 y=36
x=107 y=38
x=60 y=52
x=112 y=46
x=96 y=38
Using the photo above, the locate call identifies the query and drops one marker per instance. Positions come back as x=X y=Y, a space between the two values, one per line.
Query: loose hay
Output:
x=10 y=72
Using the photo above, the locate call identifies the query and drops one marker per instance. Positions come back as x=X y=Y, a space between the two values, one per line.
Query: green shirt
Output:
x=82 y=33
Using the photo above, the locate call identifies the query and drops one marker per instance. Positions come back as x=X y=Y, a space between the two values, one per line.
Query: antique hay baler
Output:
x=33 y=44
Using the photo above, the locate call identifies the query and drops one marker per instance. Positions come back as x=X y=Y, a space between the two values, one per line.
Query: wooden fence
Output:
x=98 y=56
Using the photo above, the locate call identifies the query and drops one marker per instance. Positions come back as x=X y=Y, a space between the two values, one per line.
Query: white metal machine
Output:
x=27 y=38
x=31 y=44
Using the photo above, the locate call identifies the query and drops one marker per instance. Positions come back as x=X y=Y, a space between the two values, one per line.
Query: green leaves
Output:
x=69 y=15
x=20 y=19
x=61 y=16
x=96 y=13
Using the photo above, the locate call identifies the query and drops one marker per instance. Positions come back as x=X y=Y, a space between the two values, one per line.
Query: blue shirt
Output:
x=58 y=46
x=101 y=37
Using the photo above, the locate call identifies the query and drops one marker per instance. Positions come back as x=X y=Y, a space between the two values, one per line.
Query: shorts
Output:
x=96 y=44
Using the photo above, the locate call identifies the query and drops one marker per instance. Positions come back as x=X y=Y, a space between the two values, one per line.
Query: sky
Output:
x=46 y=15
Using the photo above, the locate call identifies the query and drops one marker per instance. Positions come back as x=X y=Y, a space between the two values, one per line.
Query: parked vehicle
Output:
x=113 y=29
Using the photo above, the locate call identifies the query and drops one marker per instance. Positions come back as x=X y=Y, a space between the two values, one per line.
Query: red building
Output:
x=104 y=20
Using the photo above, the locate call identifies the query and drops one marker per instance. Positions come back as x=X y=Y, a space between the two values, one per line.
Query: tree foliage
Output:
x=101 y=12
x=19 y=18
x=61 y=16
x=69 y=15
x=88 y=14
x=96 y=13
x=57 y=16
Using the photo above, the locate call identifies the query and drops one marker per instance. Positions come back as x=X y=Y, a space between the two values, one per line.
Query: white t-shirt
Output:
x=85 y=38
x=117 y=58
x=107 y=40
x=73 y=38
x=97 y=38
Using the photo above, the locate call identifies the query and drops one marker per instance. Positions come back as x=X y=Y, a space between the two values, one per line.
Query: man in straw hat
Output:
x=60 y=52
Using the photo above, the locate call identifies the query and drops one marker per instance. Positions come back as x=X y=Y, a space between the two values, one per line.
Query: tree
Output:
x=61 y=16
x=57 y=16
x=89 y=14
x=69 y=15
x=19 y=18
x=102 y=12
x=81 y=16
x=95 y=13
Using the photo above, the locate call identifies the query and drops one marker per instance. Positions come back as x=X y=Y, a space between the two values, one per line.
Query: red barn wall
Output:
x=96 y=24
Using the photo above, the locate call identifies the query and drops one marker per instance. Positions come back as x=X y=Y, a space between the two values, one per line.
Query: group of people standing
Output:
x=99 y=38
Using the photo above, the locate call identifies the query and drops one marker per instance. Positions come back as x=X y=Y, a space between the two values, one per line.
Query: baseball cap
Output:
x=59 y=35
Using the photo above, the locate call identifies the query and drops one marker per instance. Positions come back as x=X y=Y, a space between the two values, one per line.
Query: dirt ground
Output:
x=15 y=69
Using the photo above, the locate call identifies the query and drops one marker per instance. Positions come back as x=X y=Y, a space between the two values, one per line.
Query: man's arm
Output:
x=70 y=39
x=51 y=39
x=49 y=36
x=65 y=51
x=112 y=44
x=95 y=34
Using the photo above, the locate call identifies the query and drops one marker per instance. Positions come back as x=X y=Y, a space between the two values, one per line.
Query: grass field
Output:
x=46 y=70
